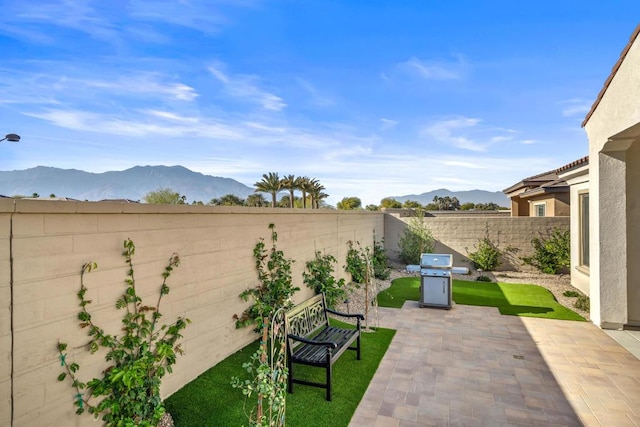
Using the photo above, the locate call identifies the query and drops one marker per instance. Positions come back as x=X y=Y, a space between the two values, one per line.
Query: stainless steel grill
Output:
x=435 y=280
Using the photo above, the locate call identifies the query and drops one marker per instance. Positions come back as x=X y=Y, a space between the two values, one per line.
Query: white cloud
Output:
x=575 y=107
x=171 y=116
x=467 y=133
x=142 y=127
x=86 y=16
x=435 y=70
x=317 y=98
x=388 y=124
x=246 y=87
x=448 y=131
x=144 y=83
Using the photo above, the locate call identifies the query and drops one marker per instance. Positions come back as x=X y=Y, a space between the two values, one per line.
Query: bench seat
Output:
x=312 y=341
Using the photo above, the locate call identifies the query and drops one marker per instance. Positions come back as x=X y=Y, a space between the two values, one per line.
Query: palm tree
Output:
x=270 y=184
x=319 y=199
x=227 y=200
x=290 y=183
x=315 y=192
x=304 y=185
x=256 y=200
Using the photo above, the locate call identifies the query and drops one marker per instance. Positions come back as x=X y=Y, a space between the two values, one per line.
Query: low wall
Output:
x=458 y=233
x=51 y=240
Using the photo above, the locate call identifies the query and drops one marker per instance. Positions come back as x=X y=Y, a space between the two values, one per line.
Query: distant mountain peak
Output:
x=133 y=183
x=468 y=196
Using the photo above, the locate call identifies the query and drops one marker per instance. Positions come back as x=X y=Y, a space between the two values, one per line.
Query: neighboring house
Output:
x=610 y=197
x=545 y=194
x=576 y=175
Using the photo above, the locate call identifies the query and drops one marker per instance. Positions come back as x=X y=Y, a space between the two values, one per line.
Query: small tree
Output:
x=411 y=204
x=349 y=204
x=356 y=264
x=164 y=196
x=227 y=200
x=416 y=240
x=487 y=255
x=130 y=386
x=276 y=288
x=269 y=373
x=389 y=202
x=552 y=253
x=319 y=277
x=379 y=260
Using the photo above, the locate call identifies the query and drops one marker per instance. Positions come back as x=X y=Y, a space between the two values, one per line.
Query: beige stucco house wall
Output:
x=613 y=129
x=555 y=205
x=578 y=180
x=544 y=194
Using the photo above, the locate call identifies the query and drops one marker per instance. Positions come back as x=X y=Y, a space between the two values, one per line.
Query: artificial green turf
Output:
x=209 y=400
x=509 y=298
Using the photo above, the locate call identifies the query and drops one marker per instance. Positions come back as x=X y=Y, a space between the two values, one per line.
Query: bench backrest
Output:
x=306 y=318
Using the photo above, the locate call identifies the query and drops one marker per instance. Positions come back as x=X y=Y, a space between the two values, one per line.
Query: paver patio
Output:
x=471 y=366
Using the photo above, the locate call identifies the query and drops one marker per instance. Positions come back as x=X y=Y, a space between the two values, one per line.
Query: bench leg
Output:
x=290 y=376
x=358 y=350
x=329 y=369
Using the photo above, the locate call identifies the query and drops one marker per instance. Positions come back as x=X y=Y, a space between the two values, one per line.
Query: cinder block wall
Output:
x=52 y=240
x=458 y=234
x=5 y=322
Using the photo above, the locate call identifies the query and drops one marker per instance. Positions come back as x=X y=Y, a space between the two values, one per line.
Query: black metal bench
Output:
x=312 y=341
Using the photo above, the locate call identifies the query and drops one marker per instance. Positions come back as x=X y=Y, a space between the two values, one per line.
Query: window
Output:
x=584 y=228
x=539 y=209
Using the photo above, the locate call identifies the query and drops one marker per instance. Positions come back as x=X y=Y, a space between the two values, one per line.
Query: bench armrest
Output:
x=359 y=316
x=313 y=342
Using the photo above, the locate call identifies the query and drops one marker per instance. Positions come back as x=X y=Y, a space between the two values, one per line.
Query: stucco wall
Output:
x=633 y=231
x=457 y=234
x=555 y=204
x=579 y=183
x=612 y=127
x=52 y=240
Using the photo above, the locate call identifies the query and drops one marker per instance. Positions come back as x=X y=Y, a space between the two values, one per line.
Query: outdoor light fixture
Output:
x=11 y=137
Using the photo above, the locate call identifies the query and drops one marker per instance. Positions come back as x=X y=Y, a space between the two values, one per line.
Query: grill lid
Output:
x=436 y=260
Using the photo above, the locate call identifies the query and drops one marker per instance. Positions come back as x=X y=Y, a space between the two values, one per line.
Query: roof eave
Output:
x=614 y=70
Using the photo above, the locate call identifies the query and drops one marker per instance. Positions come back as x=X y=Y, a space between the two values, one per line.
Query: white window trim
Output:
x=535 y=209
x=581 y=230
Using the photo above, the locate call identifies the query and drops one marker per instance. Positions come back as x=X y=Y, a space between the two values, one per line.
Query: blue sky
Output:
x=373 y=98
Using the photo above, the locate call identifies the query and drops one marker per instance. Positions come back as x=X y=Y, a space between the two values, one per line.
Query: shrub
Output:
x=138 y=360
x=571 y=294
x=319 y=277
x=379 y=260
x=487 y=255
x=356 y=263
x=483 y=278
x=551 y=253
x=416 y=240
x=276 y=289
x=582 y=303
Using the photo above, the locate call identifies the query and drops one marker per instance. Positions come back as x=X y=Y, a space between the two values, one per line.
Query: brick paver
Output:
x=471 y=366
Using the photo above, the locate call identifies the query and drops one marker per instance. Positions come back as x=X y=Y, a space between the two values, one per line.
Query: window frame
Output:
x=583 y=230
x=544 y=209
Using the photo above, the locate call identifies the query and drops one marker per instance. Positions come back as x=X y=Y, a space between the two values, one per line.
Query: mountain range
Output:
x=473 y=196
x=130 y=184
x=137 y=181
